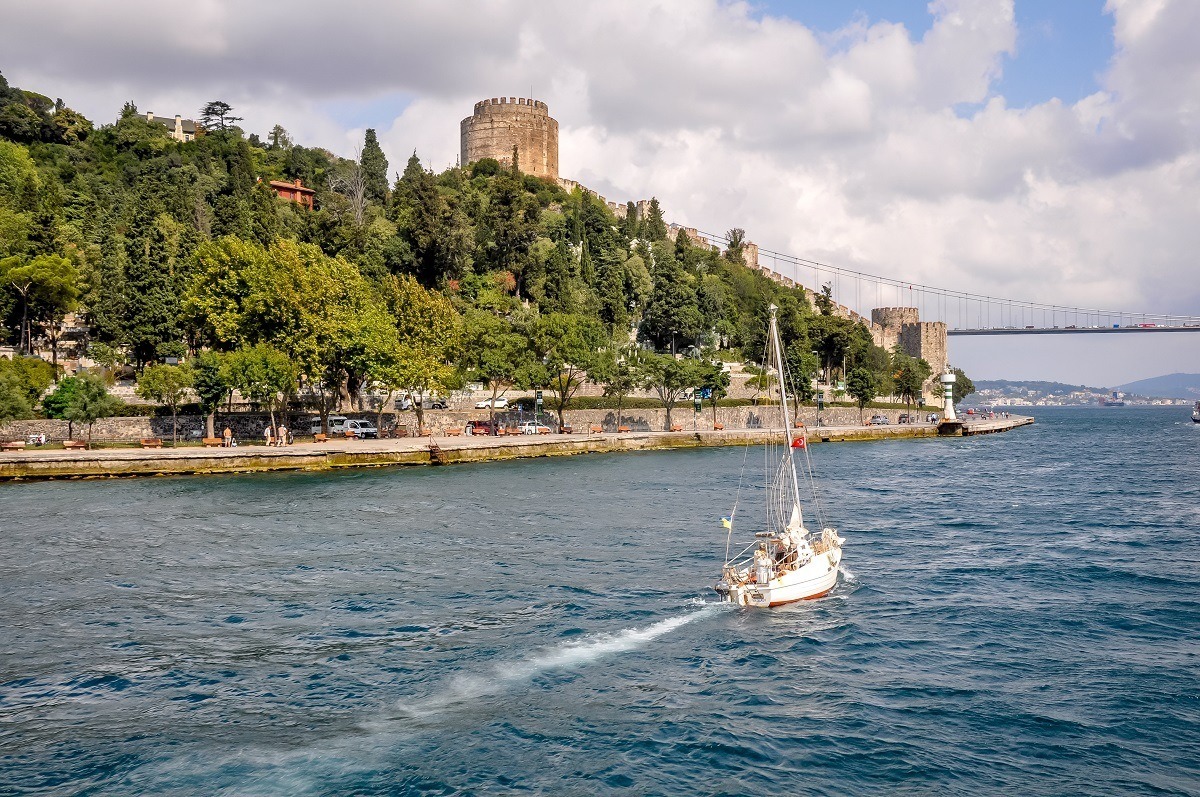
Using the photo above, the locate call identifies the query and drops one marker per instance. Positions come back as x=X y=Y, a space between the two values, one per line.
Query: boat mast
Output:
x=787 y=421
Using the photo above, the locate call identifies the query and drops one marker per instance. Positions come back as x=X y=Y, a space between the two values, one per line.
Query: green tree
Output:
x=218 y=114
x=152 y=320
x=860 y=383
x=963 y=386
x=909 y=375
x=91 y=401
x=736 y=246
x=569 y=346
x=511 y=222
x=497 y=354
x=824 y=300
x=318 y=310
x=374 y=166
x=211 y=382
x=673 y=311
x=802 y=366
x=715 y=380
x=264 y=375
x=22 y=382
x=56 y=403
x=669 y=378
x=655 y=226
x=618 y=371
x=279 y=138
x=431 y=229
x=48 y=287
x=13 y=403
x=429 y=333
x=168 y=385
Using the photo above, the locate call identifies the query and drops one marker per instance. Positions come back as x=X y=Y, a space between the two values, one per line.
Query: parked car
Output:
x=879 y=420
x=435 y=403
x=364 y=429
x=336 y=424
x=903 y=418
x=498 y=404
x=479 y=427
x=529 y=427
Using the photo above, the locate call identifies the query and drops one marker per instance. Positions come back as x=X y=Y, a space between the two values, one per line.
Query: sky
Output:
x=1042 y=150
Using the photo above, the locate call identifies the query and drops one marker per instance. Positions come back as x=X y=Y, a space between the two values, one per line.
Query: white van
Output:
x=337 y=424
x=361 y=429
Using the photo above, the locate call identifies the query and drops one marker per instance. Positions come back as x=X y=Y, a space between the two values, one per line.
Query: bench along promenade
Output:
x=41 y=463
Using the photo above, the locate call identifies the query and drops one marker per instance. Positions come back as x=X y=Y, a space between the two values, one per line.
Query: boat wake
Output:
x=466 y=688
x=846 y=574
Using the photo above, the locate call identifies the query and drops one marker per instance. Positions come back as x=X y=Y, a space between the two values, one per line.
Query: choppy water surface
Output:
x=1021 y=617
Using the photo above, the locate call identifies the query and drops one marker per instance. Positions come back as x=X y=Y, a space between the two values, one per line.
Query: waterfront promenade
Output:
x=337 y=454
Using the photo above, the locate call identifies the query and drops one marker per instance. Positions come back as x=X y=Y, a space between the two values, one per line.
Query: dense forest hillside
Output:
x=162 y=251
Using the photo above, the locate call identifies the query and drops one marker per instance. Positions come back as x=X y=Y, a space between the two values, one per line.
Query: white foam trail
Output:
x=850 y=577
x=469 y=687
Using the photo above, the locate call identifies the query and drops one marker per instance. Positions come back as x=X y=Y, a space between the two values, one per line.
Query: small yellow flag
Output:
x=727 y=522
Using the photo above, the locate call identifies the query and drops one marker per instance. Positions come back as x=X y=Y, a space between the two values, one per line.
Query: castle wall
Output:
x=499 y=124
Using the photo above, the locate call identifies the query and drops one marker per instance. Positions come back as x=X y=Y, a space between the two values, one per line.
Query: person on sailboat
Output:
x=784 y=551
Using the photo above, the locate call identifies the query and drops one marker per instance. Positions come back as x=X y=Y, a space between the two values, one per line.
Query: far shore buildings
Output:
x=179 y=128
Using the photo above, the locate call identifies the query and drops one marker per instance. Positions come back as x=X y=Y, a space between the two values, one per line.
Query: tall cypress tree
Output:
x=656 y=227
x=153 y=309
x=375 y=166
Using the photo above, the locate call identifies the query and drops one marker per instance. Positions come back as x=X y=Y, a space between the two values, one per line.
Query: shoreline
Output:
x=39 y=465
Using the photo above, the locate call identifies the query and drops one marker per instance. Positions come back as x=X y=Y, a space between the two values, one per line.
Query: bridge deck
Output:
x=1069 y=330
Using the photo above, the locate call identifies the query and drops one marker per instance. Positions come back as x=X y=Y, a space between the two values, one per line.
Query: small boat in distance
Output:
x=1196 y=412
x=786 y=562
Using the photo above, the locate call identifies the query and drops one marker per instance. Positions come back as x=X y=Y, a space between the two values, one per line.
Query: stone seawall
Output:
x=45 y=463
x=249 y=426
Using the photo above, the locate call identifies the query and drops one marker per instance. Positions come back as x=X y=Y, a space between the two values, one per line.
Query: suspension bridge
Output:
x=963 y=312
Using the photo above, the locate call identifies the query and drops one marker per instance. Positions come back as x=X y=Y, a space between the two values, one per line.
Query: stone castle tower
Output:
x=501 y=123
x=923 y=339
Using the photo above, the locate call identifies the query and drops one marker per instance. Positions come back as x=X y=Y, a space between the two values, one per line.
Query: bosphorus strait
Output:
x=489 y=629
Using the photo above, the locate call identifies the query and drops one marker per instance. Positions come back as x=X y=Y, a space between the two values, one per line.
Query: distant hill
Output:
x=1033 y=391
x=1183 y=386
x=1011 y=385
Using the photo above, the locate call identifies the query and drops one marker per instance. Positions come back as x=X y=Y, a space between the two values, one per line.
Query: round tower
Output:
x=893 y=318
x=501 y=123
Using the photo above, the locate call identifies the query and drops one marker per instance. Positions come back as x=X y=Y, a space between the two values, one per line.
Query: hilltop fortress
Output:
x=501 y=123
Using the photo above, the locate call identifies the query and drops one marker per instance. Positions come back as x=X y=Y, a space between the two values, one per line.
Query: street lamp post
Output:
x=820 y=393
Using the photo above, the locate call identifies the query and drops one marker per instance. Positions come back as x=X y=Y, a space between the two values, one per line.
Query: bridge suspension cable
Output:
x=964 y=312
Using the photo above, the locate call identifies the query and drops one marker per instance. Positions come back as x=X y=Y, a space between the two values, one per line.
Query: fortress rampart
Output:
x=501 y=123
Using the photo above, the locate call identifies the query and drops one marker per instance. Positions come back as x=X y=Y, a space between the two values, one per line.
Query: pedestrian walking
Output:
x=227 y=438
x=282 y=439
x=268 y=435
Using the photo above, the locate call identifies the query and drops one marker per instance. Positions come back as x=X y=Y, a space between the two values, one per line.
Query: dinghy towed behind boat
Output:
x=786 y=562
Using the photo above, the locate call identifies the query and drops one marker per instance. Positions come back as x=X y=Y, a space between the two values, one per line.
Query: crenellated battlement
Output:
x=893 y=318
x=526 y=104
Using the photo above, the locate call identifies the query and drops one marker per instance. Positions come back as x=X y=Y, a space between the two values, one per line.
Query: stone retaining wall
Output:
x=249 y=426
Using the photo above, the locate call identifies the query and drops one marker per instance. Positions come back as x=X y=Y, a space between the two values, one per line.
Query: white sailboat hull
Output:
x=812 y=580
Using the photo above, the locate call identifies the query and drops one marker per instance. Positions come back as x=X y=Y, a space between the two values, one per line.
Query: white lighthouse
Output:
x=948 y=380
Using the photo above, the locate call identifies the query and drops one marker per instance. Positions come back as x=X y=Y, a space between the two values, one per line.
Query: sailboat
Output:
x=786 y=562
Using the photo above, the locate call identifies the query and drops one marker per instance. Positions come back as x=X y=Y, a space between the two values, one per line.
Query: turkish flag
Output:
x=798 y=442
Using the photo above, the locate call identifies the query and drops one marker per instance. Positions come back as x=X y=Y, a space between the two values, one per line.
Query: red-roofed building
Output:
x=294 y=192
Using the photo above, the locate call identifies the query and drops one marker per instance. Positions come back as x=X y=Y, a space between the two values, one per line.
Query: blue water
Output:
x=1020 y=616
